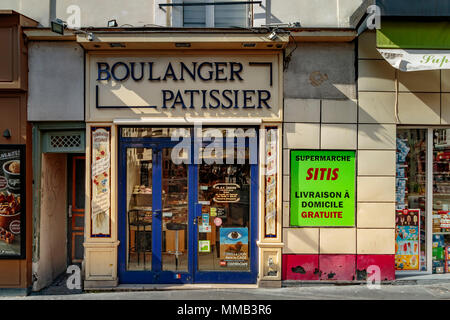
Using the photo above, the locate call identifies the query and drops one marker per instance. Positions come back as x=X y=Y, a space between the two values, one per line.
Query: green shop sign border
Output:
x=322 y=192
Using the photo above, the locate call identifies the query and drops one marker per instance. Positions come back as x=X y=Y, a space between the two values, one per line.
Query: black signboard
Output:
x=12 y=202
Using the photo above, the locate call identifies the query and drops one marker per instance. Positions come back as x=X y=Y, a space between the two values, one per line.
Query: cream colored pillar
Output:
x=270 y=207
x=101 y=242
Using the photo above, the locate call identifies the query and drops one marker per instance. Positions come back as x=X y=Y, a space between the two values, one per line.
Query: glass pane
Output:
x=175 y=214
x=224 y=228
x=410 y=223
x=441 y=200
x=226 y=16
x=140 y=132
x=139 y=208
x=194 y=16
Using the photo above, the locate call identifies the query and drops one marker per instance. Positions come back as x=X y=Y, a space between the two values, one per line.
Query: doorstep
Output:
x=418 y=278
x=160 y=287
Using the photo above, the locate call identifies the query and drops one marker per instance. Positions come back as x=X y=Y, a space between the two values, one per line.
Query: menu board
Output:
x=12 y=208
x=226 y=192
x=407 y=239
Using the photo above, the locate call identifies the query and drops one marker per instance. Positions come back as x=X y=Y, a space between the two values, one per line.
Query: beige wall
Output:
x=422 y=95
x=53 y=224
x=366 y=124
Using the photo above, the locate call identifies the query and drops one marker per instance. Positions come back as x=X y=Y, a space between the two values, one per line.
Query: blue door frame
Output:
x=193 y=275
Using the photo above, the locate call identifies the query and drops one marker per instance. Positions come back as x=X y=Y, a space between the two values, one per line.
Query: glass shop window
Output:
x=412 y=179
x=410 y=245
x=441 y=200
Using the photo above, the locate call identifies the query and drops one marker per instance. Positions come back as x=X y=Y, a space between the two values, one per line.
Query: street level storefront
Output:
x=15 y=157
x=183 y=150
x=412 y=78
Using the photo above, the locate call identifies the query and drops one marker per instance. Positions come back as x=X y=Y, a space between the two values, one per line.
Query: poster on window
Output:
x=407 y=239
x=12 y=204
x=100 y=182
x=234 y=246
x=271 y=183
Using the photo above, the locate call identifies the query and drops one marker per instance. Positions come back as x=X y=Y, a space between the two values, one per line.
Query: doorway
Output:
x=183 y=221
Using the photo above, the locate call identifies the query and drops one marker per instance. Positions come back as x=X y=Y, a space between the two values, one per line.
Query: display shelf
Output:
x=448 y=232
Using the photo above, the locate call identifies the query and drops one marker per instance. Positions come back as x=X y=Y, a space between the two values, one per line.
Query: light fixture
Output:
x=58 y=26
x=112 y=23
x=7 y=134
x=273 y=35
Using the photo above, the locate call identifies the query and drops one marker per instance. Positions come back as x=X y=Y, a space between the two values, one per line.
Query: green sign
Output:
x=322 y=188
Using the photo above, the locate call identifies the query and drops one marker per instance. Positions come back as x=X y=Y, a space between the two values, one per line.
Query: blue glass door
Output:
x=186 y=221
x=154 y=205
x=226 y=227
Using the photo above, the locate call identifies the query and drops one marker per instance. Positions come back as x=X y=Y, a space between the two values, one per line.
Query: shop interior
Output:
x=415 y=197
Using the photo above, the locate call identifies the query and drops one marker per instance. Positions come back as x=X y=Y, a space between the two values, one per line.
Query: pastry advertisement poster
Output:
x=323 y=188
x=271 y=183
x=234 y=246
x=407 y=239
x=101 y=185
x=12 y=208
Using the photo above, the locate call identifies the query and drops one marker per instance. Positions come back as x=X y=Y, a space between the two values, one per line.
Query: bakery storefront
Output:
x=184 y=150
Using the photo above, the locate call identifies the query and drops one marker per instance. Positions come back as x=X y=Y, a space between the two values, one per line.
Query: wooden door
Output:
x=76 y=209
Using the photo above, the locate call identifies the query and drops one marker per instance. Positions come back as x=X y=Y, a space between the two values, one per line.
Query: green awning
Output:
x=414 y=35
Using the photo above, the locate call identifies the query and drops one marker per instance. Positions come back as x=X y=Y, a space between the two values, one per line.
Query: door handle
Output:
x=197 y=213
x=196 y=220
x=157 y=213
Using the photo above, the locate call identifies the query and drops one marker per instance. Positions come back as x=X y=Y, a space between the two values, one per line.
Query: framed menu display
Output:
x=12 y=202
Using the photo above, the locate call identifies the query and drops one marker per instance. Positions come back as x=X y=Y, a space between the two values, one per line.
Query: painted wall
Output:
x=137 y=13
x=53 y=222
x=324 y=111
x=56 y=81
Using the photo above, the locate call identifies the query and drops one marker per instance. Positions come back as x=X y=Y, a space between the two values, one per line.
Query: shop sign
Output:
x=153 y=72
x=182 y=86
x=322 y=188
x=234 y=246
x=226 y=192
x=417 y=60
x=12 y=210
x=407 y=239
